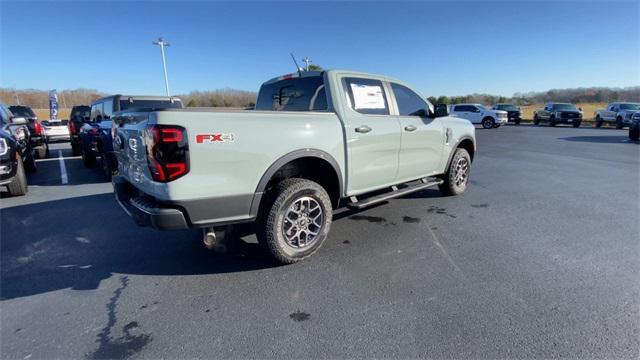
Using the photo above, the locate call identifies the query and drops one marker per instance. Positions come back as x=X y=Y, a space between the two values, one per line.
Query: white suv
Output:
x=479 y=114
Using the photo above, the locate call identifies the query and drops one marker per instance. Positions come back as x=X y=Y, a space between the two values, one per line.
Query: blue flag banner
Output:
x=53 y=105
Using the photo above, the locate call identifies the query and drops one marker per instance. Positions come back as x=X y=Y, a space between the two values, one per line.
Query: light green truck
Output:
x=314 y=142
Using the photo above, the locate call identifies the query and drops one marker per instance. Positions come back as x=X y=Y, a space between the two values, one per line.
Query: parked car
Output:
x=634 y=128
x=56 y=130
x=558 y=113
x=95 y=135
x=513 y=112
x=79 y=115
x=284 y=164
x=479 y=114
x=619 y=113
x=12 y=173
x=17 y=127
x=36 y=135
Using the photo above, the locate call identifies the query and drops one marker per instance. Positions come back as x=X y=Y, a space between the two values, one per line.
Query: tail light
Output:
x=72 y=127
x=37 y=129
x=167 y=152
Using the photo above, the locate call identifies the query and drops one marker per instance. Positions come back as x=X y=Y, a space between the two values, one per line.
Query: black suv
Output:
x=80 y=114
x=513 y=112
x=16 y=126
x=11 y=167
x=38 y=140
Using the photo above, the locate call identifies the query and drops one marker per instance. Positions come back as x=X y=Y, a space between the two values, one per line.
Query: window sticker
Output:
x=367 y=96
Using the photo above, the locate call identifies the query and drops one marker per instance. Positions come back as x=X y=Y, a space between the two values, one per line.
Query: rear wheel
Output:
x=18 y=186
x=634 y=132
x=488 y=123
x=457 y=175
x=295 y=220
x=88 y=158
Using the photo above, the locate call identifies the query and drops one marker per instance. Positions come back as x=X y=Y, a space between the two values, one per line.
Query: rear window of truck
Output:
x=295 y=94
x=150 y=104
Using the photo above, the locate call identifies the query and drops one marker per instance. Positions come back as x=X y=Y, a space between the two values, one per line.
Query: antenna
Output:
x=298 y=68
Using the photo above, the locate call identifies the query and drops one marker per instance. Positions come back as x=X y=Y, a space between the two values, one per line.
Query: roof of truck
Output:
x=303 y=74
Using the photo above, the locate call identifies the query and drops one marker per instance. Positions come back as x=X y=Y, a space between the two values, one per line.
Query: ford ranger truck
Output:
x=315 y=141
x=619 y=113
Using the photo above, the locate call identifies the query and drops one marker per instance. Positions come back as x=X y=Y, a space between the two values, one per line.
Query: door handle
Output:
x=363 y=129
x=410 y=128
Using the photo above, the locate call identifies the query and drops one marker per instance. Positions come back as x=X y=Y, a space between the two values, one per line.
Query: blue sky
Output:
x=443 y=48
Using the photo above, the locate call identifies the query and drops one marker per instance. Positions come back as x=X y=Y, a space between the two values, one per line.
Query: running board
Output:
x=394 y=193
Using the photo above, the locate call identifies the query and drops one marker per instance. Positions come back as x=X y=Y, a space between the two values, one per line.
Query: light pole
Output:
x=162 y=42
x=306 y=60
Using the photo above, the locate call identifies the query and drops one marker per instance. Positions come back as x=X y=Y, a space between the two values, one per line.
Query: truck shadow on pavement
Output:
x=600 y=139
x=76 y=243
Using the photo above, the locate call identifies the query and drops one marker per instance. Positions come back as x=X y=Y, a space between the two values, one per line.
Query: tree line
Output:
x=39 y=99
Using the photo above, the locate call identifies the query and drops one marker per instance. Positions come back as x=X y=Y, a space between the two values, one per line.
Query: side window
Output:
x=366 y=96
x=409 y=103
x=473 y=108
x=96 y=112
x=319 y=100
x=293 y=94
x=107 y=109
x=457 y=108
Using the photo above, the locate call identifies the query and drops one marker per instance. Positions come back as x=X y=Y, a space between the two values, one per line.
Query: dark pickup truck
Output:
x=95 y=135
x=558 y=113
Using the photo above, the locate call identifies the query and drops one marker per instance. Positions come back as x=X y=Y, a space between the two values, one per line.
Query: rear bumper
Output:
x=174 y=215
x=144 y=210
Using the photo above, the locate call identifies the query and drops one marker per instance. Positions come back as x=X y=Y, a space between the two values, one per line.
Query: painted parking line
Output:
x=58 y=159
x=63 y=169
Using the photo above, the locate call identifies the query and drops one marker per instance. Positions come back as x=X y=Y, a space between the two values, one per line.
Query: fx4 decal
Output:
x=214 y=138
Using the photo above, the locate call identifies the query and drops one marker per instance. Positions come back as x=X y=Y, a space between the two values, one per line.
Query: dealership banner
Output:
x=53 y=104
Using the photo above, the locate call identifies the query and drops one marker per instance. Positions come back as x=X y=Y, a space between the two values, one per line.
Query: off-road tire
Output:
x=449 y=186
x=88 y=159
x=598 y=121
x=75 y=149
x=18 y=186
x=270 y=223
x=488 y=123
x=634 y=133
x=43 y=151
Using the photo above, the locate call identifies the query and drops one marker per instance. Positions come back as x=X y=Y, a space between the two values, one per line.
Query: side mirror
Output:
x=18 y=120
x=441 y=110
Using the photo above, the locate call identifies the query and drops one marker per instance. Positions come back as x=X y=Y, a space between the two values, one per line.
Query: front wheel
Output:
x=598 y=121
x=295 y=220
x=457 y=175
x=536 y=121
x=619 y=124
x=576 y=124
x=552 y=121
x=488 y=123
x=18 y=186
x=517 y=122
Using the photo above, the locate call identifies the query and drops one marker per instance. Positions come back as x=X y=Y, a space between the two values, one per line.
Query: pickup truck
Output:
x=558 y=113
x=619 y=113
x=479 y=114
x=95 y=135
x=314 y=141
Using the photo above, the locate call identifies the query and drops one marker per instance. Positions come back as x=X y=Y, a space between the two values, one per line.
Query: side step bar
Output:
x=394 y=193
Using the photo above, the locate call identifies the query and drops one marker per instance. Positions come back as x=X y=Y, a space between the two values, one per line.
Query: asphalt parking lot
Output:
x=540 y=258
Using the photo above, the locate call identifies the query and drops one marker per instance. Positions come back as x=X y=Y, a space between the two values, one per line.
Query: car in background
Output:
x=95 y=135
x=56 y=130
x=79 y=115
x=558 y=113
x=12 y=174
x=514 y=114
x=17 y=127
x=634 y=127
x=619 y=113
x=479 y=114
x=37 y=138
